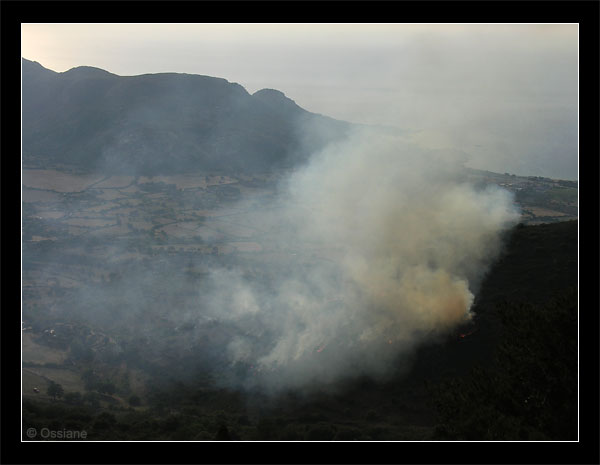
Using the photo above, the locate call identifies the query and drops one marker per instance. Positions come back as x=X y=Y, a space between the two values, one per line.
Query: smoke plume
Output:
x=375 y=246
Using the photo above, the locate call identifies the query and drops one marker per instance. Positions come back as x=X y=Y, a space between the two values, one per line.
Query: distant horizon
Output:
x=505 y=95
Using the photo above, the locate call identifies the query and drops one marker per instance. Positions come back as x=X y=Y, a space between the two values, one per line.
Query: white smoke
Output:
x=390 y=245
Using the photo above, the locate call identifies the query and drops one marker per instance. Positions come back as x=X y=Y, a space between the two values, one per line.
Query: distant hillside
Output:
x=89 y=119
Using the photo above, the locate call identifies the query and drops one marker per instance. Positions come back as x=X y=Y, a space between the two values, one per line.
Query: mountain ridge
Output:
x=91 y=119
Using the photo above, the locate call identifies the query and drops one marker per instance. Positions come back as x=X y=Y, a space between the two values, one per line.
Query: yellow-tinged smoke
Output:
x=399 y=242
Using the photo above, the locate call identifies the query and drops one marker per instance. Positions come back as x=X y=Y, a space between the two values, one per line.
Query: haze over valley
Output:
x=220 y=261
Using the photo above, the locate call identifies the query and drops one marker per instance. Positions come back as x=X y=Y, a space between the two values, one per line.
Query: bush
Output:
x=267 y=430
x=203 y=435
x=134 y=401
x=379 y=433
x=347 y=434
x=171 y=423
x=321 y=432
x=372 y=415
x=222 y=434
x=108 y=417
x=292 y=433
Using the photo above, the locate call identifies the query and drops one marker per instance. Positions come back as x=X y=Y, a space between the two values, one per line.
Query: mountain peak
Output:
x=272 y=97
x=87 y=72
x=34 y=66
x=269 y=93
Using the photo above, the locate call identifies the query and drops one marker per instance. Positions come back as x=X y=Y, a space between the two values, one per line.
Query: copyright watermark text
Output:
x=47 y=433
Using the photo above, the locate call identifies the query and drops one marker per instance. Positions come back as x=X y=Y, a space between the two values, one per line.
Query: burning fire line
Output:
x=464 y=335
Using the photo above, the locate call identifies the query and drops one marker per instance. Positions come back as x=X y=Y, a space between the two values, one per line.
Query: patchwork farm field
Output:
x=193 y=213
x=58 y=181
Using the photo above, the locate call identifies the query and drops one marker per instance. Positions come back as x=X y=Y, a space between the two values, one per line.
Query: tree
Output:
x=55 y=390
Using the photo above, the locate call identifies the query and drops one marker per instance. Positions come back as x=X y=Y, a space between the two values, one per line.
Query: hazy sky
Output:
x=506 y=95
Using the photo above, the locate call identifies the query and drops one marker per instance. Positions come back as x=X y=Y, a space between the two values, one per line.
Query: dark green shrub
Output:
x=267 y=430
x=222 y=434
x=347 y=434
x=292 y=433
x=321 y=432
x=134 y=401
